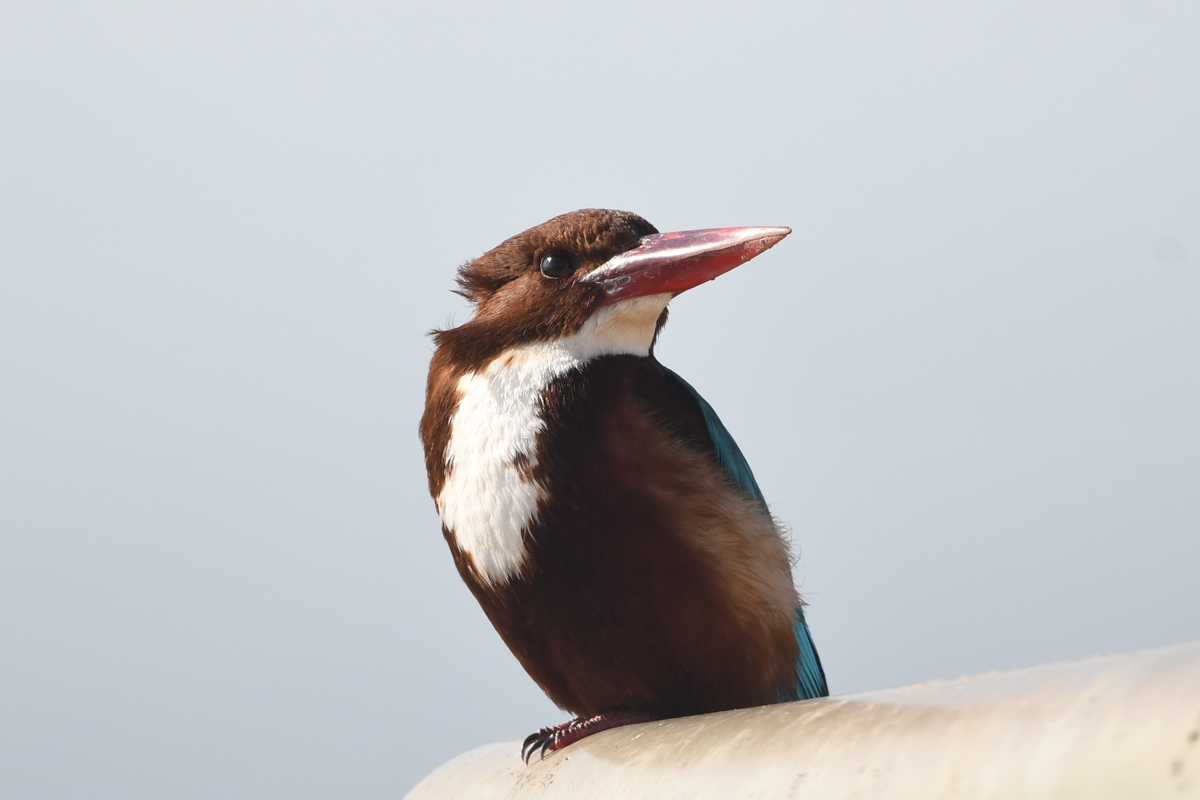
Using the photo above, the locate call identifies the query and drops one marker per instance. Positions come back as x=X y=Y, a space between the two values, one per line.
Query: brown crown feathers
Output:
x=515 y=303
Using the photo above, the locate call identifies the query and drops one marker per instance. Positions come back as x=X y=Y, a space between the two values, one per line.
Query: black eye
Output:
x=557 y=265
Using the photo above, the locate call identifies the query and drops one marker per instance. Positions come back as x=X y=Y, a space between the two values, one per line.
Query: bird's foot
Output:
x=547 y=740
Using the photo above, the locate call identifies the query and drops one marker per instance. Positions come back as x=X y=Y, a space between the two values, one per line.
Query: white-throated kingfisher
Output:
x=595 y=505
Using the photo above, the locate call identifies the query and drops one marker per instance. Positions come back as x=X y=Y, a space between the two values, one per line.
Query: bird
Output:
x=593 y=502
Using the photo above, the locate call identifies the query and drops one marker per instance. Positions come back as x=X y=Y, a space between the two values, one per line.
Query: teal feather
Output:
x=810 y=677
x=729 y=455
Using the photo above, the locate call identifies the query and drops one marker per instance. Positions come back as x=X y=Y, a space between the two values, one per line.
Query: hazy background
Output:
x=970 y=380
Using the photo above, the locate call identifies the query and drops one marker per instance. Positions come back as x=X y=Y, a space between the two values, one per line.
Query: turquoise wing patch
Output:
x=810 y=677
x=729 y=455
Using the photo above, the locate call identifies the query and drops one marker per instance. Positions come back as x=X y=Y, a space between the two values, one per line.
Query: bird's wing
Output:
x=810 y=677
x=729 y=455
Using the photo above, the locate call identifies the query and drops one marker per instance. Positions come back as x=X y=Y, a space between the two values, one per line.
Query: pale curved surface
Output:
x=1116 y=726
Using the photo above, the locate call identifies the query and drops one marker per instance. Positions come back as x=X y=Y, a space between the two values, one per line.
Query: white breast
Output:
x=489 y=497
x=488 y=500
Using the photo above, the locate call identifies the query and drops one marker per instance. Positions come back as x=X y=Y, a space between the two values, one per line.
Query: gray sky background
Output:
x=969 y=381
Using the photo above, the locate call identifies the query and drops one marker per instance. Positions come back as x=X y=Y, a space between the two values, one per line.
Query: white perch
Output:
x=1114 y=726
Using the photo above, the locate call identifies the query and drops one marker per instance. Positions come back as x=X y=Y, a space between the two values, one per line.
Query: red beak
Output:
x=675 y=262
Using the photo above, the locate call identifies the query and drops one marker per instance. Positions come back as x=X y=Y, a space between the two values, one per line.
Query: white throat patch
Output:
x=489 y=497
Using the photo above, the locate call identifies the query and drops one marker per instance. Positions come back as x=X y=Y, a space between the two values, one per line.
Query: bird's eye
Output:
x=557 y=265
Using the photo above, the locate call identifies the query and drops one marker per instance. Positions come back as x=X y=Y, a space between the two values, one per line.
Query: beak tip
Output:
x=768 y=238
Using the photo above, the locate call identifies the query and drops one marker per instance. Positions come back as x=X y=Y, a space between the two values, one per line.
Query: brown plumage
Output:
x=646 y=580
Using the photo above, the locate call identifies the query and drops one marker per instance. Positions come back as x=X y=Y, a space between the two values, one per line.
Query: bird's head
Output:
x=599 y=277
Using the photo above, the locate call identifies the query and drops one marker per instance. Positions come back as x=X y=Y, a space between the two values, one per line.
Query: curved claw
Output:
x=543 y=738
x=548 y=740
x=526 y=746
x=530 y=746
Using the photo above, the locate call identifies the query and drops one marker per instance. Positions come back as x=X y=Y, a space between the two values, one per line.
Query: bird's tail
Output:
x=810 y=677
